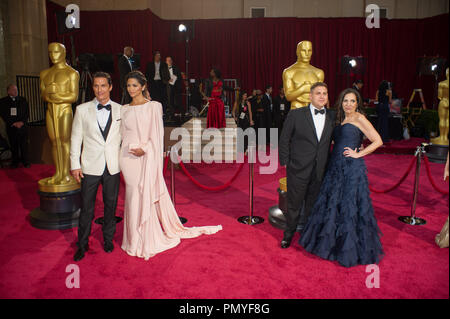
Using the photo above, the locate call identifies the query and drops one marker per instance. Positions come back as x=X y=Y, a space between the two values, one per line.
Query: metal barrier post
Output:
x=413 y=220
x=250 y=219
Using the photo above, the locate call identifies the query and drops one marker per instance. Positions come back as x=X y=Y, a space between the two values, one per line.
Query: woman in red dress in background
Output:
x=216 y=109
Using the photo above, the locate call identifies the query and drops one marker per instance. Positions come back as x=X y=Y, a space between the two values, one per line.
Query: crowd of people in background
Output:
x=255 y=109
x=165 y=81
x=167 y=85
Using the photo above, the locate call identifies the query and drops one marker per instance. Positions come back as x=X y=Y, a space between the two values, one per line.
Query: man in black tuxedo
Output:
x=157 y=74
x=14 y=111
x=281 y=107
x=268 y=108
x=174 y=88
x=126 y=65
x=304 y=150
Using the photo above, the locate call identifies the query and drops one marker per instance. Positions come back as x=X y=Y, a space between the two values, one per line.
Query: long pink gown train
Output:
x=151 y=224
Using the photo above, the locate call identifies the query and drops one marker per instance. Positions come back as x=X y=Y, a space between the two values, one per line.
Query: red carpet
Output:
x=239 y=262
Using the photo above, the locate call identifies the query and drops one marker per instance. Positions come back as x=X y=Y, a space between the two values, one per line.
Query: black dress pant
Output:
x=300 y=191
x=18 y=140
x=89 y=187
x=158 y=92
x=383 y=121
x=173 y=100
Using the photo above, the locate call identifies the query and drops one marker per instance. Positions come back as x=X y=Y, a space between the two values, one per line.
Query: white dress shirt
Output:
x=319 y=120
x=270 y=99
x=173 y=78
x=102 y=115
x=157 y=74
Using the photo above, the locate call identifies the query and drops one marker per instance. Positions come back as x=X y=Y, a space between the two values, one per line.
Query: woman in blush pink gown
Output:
x=151 y=224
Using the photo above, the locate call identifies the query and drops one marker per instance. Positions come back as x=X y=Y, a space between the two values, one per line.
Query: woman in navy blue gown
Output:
x=342 y=226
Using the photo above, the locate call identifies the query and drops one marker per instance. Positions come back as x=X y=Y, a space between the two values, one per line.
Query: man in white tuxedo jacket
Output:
x=96 y=137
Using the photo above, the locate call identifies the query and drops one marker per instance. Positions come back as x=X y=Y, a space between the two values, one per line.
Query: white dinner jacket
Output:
x=96 y=151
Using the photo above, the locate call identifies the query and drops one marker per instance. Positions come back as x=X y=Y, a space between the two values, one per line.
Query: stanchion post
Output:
x=250 y=219
x=172 y=181
x=413 y=220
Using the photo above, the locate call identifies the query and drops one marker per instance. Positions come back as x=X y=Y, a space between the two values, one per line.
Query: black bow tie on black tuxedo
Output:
x=322 y=111
x=100 y=106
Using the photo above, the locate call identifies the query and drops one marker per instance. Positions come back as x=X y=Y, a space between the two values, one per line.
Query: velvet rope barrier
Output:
x=166 y=161
x=427 y=166
x=217 y=188
x=411 y=164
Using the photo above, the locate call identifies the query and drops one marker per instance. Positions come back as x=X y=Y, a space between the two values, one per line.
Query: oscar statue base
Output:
x=412 y=220
x=57 y=210
x=437 y=153
x=276 y=213
x=46 y=187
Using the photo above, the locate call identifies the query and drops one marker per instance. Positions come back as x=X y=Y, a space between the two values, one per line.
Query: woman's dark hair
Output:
x=340 y=110
x=140 y=77
x=241 y=95
x=217 y=73
x=382 y=88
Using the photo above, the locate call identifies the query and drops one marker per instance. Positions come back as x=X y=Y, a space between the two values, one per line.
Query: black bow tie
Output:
x=322 y=111
x=100 y=106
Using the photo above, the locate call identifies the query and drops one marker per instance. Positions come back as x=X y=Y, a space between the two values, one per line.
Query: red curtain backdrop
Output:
x=256 y=51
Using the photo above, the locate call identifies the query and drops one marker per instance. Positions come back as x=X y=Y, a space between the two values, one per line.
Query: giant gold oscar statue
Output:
x=299 y=77
x=442 y=139
x=59 y=88
x=297 y=82
x=60 y=199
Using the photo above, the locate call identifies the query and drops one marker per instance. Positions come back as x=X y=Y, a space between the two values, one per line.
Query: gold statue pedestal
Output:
x=437 y=153
x=59 y=207
x=276 y=213
x=60 y=204
x=57 y=210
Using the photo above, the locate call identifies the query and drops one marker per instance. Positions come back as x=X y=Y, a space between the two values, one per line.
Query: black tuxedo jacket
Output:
x=6 y=104
x=277 y=101
x=299 y=148
x=163 y=72
x=267 y=111
x=124 y=69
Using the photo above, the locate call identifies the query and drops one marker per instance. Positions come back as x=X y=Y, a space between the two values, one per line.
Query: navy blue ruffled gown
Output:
x=342 y=226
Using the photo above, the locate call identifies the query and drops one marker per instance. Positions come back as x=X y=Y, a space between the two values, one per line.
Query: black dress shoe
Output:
x=285 y=243
x=108 y=247
x=80 y=253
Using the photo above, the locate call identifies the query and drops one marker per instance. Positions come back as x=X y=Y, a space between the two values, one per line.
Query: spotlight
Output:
x=352 y=62
x=433 y=67
x=182 y=28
